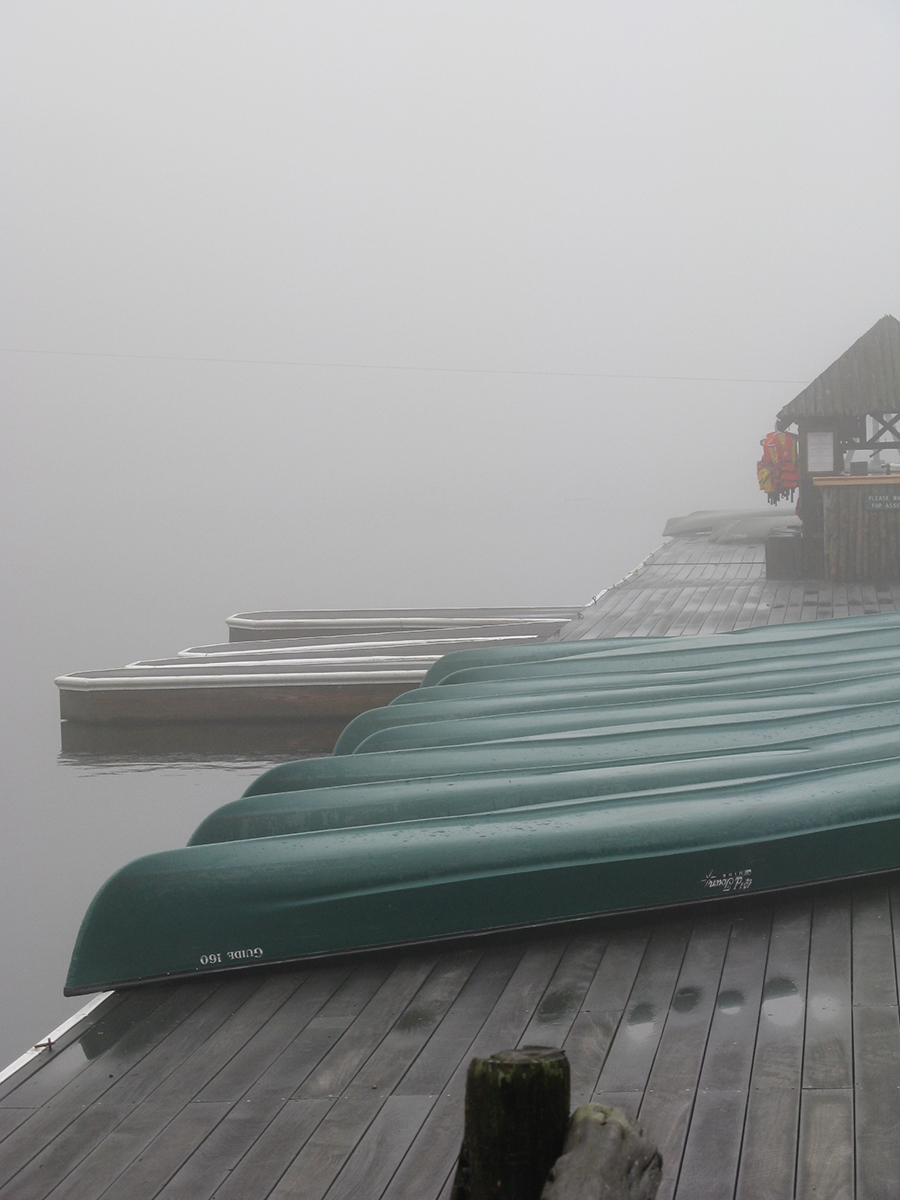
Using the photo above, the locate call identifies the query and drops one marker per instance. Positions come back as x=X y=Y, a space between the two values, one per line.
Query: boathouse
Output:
x=849 y=497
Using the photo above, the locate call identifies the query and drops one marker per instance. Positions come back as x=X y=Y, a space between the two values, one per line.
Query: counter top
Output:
x=857 y=480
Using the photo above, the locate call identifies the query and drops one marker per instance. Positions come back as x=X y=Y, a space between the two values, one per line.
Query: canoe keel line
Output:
x=566 y=855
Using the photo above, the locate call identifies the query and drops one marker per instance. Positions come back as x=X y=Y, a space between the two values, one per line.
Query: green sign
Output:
x=882 y=501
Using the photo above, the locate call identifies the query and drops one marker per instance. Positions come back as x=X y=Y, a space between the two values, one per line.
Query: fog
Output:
x=388 y=304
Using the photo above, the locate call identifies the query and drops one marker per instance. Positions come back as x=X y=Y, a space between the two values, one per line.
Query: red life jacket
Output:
x=777 y=470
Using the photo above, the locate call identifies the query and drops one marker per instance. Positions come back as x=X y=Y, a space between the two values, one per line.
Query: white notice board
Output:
x=820 y=452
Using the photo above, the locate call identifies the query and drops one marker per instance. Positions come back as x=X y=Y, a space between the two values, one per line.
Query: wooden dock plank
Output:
x=416 y=1023
x=150 y=1041
x=447 y=1046
x=663 y=614
x=334 y=1142
x=215 y=1031
x=594 y=1027
x=370 y=1168
x=710 y=1162
x=361 y=1039
x=828 y=1046
x=393 y=1027
x=63 y=1157
x=565 y=993
x=874 y=972
x=210 y=1163
x=267 y=1041
x=63 y=1065
x=825 y=1153
x=262 y=1167
x=12 y=1118
x=667 y=1103
x=432 y=1156
x=287 y=1073
x=260 y=1115
x=769 y=1147
x=152 y=1166
x=204 y=1043
x=630 y=1058
x=678 y=624
x=712 y=1151
x=724 y=604
x=876 y=1062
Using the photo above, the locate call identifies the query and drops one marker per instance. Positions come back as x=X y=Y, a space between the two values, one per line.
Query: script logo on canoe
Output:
x=731 y=881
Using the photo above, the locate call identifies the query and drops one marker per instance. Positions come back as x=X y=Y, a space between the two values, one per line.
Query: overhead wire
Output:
x=351 y=366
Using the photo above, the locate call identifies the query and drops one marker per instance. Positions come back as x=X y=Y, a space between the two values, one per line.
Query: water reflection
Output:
x=419 y=1016
x=641 y=1022
x=730 y=1001
x=781 y=1001
x=219 y=743
x=686 y=999
x=555 y=1003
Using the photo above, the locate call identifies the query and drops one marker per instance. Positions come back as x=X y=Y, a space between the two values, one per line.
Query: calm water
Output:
x=73 y=823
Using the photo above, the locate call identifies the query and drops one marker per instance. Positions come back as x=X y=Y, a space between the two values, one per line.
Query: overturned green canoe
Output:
x=378 y=803
x=609 y=676
x=603 y=696
x=460 y=731
x=654 y=741
x=267 y=900
x=561 y=787
x=798 y=637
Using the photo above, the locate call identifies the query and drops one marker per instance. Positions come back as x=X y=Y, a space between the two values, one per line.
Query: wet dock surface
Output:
x=757 y=1039
x=692 y=586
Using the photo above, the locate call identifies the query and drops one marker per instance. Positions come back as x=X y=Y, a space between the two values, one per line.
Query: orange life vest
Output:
x=777 y=470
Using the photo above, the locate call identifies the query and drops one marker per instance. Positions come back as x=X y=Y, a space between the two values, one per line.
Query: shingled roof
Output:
x=865 y=379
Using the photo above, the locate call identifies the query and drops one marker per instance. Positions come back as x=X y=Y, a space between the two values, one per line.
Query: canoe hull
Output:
x=272 y=900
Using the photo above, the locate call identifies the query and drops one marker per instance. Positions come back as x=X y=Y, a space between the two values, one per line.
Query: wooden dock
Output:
x=319 y=677
x=288 y=623
x=757 y=1039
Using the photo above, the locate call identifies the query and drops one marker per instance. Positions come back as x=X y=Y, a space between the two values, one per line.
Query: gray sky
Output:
x=665 y=189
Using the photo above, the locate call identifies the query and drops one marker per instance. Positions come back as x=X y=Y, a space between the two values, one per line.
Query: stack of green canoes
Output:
x=531 y=784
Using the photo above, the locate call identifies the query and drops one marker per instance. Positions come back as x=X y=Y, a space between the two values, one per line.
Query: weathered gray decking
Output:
x=757 y=1039
x=691 y=586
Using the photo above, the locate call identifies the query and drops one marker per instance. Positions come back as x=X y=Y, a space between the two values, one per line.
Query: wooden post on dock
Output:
x=517 y=1110
x=519 y=1142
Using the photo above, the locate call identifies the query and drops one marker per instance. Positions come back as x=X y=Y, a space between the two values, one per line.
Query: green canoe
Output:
x=603 y=676
x=797 y=636
x=267 y=900
x=769 y=683
x=672 y=656
x=419 y=799
x=651 y=742
x=466 y=730
x=559 y=787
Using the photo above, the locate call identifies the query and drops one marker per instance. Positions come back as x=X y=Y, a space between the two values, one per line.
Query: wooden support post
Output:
x=606 y=1157
x=517 y=1110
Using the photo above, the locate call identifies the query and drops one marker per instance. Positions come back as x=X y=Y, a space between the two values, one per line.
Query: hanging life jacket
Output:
x=777 y=469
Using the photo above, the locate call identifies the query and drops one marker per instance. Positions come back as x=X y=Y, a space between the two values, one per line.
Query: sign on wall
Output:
x=820 y=452
x=882 y=501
